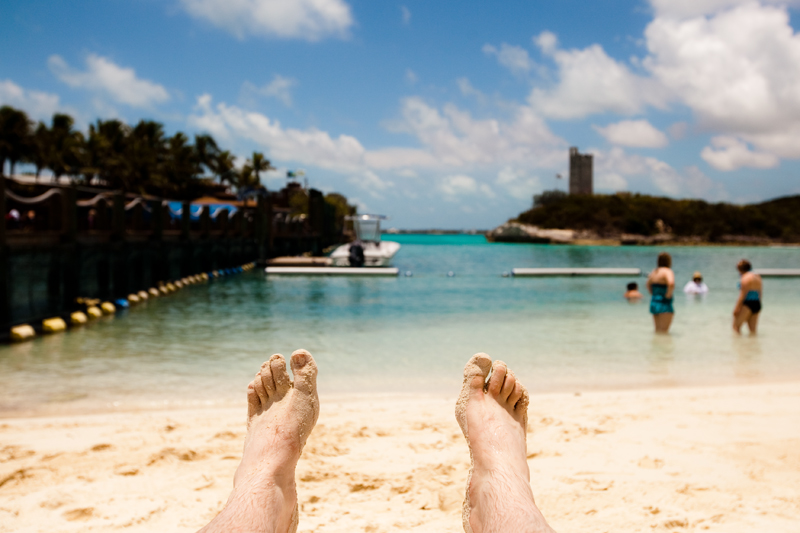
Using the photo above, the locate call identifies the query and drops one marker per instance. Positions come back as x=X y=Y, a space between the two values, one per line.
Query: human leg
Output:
x=663 y=321
x=741 y=318
x=493 y=417
x=752 y=322
x=280 y=417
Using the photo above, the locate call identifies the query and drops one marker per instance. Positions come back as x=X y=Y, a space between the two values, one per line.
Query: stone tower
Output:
x=580 y=172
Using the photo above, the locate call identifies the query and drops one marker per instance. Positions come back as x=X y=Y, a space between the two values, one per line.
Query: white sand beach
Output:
x=700 y=459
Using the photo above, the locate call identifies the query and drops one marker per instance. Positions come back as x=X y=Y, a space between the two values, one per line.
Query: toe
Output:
x=522 y=404
x=508 y=387
x=515 y=395
x=266 y=379
x=278 y=366
x=261 y=392
x=253 y=401
x=499 y=370
x=304 y=369
x=476 y=371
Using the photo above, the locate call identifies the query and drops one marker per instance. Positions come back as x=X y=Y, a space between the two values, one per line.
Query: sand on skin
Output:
x=702 y=459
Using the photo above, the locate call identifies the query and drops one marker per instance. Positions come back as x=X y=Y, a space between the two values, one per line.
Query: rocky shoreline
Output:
x=518 y=232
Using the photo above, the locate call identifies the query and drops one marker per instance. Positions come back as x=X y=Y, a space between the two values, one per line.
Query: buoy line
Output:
x=94 y=308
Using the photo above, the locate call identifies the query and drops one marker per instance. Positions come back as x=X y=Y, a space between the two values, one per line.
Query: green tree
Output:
x=224 y=167
x=259 y=164
x=146 y=152
x=15 y=133
x=39 y=148
x=66 y=144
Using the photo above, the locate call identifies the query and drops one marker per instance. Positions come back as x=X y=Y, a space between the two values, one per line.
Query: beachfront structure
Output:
x=580 y=172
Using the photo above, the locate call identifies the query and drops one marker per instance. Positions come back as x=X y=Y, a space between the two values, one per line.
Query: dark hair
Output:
x=632 y=286
x=664 y=260
x=744 y=266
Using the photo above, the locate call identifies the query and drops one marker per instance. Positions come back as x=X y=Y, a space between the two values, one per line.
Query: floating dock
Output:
x=778 y=272
x=523 y=272
x=300 y=262
x=331 y=271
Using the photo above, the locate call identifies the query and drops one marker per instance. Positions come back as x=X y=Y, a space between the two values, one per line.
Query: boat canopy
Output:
x=367 y=227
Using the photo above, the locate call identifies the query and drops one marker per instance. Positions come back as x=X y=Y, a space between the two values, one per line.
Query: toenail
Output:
x=300 y=359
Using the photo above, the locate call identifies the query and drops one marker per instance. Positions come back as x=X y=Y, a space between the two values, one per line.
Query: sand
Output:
x=701 y=459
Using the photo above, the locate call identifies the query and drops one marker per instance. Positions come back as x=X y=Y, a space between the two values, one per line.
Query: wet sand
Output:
x=700 y=459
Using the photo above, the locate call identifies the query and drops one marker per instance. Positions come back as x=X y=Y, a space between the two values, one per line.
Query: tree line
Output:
x=140 y=159
x=614 y=214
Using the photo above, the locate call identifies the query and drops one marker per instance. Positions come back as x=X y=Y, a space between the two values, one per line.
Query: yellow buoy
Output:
x=108 y=308
x=204 y=276
x=142 y=295
x=178 y=284
x=21 y=333
x=93 y=312
x=163 y=289
x=171 y=287
x=53 y=325
x=77 y=318
x=133 y=298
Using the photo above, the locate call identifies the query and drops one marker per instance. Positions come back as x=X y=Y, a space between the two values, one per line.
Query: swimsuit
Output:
x=752 y=301
x=660 y=303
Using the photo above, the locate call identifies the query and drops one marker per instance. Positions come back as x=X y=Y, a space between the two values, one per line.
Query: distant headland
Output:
x=638 y=219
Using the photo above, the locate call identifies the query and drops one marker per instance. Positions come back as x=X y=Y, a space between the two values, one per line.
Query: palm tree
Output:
x=146 y=154
x=64 y=156
x=207 y=150
x=259 y=164
x=224 y=165
x=15 y=133
x=39 y=147
x=181 y=165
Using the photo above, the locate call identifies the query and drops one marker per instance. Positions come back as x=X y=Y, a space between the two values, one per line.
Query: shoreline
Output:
x=630 y=460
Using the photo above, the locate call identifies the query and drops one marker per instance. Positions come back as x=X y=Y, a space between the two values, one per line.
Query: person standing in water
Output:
x=748 y=306
x=661 y=284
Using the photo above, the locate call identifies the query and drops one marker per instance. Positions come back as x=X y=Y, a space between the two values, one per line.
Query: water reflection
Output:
x=662 y=354
x=748 y=356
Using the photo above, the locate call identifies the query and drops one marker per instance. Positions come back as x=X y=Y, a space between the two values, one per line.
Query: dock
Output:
x=331 y=271
x=534 y=272
x=778 y=272
x=304 y=262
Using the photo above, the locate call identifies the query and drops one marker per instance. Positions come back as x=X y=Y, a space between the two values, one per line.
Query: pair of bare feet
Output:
x=492 y=414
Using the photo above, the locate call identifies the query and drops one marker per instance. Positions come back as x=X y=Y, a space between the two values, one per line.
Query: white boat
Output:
x=373 y=251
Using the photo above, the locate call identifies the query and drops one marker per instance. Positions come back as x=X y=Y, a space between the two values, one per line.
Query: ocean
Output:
x=202 y=345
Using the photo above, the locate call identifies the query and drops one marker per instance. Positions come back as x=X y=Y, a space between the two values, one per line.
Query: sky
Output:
x=437 y=114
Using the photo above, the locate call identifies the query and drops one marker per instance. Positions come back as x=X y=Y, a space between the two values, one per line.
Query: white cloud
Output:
x=279 y=88
x=311 y=146
x=36 y=104
x=451 y=137
x=406 y=14
x=467 y=89
x=694 y=8
x=370 y=182
x=517 y=184
x=514 y=58
x=104 y=76
x=547 y=41
x=463 y=185
x=730 y=153
x=311 y=20
x=589 y=81
x=610 y=181
x=615 y=165
x=633 y=133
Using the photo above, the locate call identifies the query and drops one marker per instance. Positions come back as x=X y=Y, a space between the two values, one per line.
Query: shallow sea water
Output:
x=203 y=344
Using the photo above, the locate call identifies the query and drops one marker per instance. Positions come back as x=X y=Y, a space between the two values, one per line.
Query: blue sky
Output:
x=438 y=114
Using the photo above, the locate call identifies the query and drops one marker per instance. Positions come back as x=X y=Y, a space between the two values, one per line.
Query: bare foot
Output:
x=280 y=417
x=494 y=416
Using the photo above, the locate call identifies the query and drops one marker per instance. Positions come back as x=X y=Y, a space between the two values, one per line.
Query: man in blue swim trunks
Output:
x=748 y=306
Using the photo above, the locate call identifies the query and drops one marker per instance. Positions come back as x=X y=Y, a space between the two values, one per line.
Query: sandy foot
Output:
x=280 y=417
x=494 y=416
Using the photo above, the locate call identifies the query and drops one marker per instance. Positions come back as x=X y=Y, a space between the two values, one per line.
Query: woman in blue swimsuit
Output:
x=661 y=284
x=748 y=306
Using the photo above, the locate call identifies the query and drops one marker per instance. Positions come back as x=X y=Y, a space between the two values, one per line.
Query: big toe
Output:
x=277 y=365
x=476 y=371
x=304 y=369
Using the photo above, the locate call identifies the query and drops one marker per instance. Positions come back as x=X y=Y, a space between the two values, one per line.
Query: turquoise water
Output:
x=203 y=344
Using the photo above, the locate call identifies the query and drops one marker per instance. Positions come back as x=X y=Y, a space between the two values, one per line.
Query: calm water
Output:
x=203 y=344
